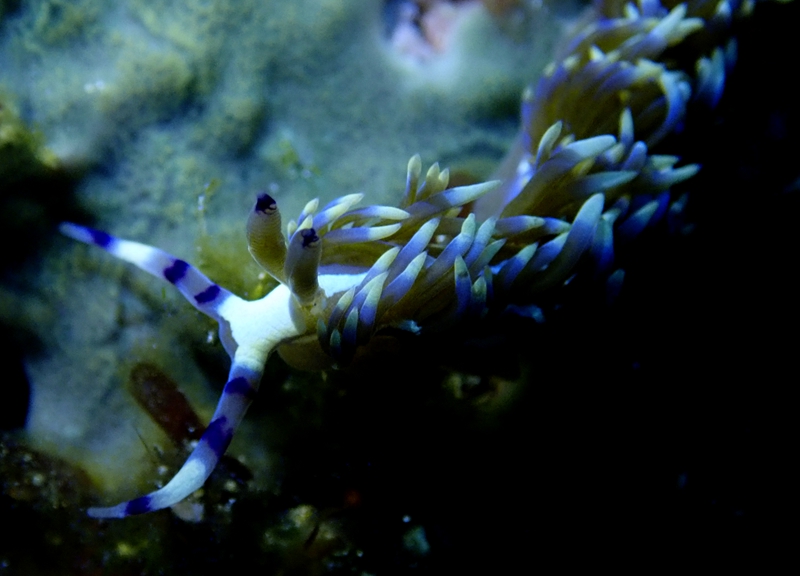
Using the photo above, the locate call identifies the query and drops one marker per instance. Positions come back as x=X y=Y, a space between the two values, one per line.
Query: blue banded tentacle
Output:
x=254 y=342
x=247 y=339
x=201 y=292
x=239 y=392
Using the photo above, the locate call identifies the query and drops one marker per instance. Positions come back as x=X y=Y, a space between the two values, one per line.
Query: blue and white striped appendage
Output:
x=196 y=288
x=237 y=395
x=251 y=331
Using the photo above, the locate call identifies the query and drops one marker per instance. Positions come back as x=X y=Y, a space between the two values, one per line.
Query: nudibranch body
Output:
x=579 y=181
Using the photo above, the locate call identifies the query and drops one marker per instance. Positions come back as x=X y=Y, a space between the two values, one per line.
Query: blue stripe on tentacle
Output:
x=251 y=331
x=237 y=395
x=201 y=292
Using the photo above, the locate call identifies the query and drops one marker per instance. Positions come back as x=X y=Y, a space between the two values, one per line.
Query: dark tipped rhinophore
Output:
x=265 y=203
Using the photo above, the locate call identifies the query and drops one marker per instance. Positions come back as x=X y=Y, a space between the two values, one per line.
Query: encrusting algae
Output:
x=580 y=181
x=22 y=151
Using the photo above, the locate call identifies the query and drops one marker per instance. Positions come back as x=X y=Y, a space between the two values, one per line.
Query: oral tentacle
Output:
x=201 y=292
x=246 y=336
x=238 y=394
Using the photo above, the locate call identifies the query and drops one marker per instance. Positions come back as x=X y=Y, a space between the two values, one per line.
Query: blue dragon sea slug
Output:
x=579 y=180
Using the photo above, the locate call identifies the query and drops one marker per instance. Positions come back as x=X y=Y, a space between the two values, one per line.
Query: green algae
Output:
x=22 y=150
x=221 y=257
x=61 y=21
x=151 y=85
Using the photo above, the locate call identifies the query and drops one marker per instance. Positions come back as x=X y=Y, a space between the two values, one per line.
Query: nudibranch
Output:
x=579 y=180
